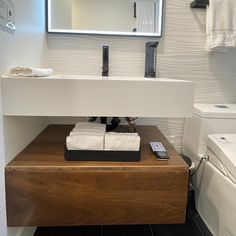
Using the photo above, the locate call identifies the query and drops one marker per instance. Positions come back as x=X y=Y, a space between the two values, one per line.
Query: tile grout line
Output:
x=150 y=227
x=51 y=231
x=198 y=226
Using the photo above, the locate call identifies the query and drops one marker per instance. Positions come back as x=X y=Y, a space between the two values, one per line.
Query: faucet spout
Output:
x=150 y=59
x=105 y=60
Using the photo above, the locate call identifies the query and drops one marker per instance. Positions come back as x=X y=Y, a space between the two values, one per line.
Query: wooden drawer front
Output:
x=95 y=198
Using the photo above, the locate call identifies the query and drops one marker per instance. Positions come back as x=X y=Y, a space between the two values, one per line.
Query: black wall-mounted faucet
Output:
x=105 y=60
x=150 y=59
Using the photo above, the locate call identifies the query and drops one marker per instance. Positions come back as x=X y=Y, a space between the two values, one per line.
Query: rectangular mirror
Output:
x=106 y=17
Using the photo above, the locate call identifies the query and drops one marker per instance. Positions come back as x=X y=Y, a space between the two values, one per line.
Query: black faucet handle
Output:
x=152 y=44
x=150 y=59
x=105 y=60
x=104 y=68
x=105 y=71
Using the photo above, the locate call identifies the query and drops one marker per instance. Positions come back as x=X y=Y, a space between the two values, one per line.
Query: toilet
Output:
x=211 y=135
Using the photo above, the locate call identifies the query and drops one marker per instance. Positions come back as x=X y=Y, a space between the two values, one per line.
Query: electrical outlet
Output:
x=172 y=139
x=10 y=14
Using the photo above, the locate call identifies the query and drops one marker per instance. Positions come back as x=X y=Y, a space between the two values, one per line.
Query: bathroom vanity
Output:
x=42 y=189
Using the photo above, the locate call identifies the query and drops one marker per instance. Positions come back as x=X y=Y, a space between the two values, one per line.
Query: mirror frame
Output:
x=98 y=32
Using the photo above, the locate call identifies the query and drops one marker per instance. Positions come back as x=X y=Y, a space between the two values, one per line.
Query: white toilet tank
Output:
x=207 y=119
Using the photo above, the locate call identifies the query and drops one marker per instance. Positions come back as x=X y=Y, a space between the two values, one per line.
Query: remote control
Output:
x=162 y=155
x=157 y=146
x=159 y=150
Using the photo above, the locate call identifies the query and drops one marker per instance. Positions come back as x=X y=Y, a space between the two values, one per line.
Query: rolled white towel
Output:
x=30 y=72
x=122 y=142
x=85 y=142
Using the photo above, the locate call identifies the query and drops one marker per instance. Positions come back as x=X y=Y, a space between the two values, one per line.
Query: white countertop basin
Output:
x=70 y=95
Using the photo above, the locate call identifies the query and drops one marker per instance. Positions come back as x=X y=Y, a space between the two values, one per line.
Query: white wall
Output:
x=26 y=46
x=181 y=55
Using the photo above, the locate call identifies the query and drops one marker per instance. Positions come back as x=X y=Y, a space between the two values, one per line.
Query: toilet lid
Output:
x=224 y=147
x=226 y=111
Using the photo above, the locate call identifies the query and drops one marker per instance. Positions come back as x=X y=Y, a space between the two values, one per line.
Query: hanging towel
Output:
x=145 y=19
x=221 y=25
x=30 y=72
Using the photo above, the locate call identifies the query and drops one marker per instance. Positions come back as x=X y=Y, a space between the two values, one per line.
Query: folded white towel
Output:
x=221 y=25
x=89 y=131
x=90 y=125
x=121 y=133
x=86 y=123
x=121 y=142
x=30 y=72
x=85 y=142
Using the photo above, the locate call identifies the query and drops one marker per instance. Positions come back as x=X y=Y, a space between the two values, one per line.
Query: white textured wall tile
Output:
x=25 y=47
x=181 y=55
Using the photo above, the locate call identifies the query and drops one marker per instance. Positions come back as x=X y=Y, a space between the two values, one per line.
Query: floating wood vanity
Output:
x=42 y=189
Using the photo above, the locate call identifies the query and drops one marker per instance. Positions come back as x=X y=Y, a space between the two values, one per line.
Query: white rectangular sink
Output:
x=63 y=95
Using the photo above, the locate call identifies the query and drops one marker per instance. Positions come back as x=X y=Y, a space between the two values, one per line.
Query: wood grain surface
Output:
x=42 y=189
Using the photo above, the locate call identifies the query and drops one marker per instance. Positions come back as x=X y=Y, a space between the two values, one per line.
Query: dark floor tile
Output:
x=127 y=230
x=201 y=225
x=188 y=229
x=43 y=231
x=160 y=230
x=77 y=231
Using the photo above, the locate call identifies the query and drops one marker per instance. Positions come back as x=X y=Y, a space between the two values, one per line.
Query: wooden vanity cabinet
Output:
x=42 y=189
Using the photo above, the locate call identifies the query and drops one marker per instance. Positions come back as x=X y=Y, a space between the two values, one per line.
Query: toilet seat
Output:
x=223 y=153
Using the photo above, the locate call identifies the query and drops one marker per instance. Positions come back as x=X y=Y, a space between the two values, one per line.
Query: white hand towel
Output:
x=85 y=142
x=30 y=72
x=121 y=142
x=221 y=25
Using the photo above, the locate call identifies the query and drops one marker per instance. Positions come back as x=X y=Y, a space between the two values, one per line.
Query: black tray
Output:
x=87 y=155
